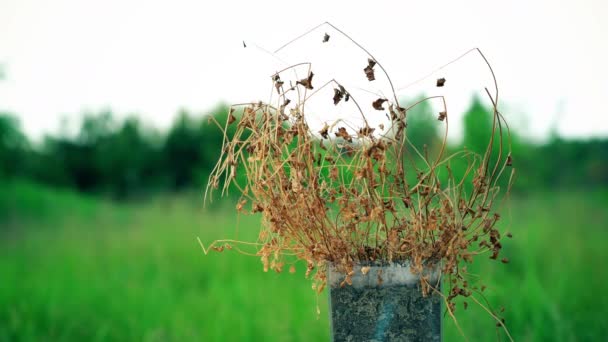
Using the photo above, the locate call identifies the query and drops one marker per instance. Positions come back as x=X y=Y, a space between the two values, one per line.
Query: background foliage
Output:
x=98 y=239
x=125 y=158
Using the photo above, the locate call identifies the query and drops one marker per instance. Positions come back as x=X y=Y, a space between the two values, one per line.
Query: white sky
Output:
x=63 y=57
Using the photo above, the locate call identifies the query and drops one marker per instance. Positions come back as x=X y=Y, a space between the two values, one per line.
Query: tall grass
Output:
x=75 y=268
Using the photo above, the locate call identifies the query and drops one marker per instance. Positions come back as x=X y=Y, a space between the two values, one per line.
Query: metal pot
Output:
x=384 y=303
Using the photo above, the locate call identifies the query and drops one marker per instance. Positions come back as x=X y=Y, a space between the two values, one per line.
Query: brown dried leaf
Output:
x=324 y=132
x=278 y=86
x=343 y=134
x=369 y=69
x=257 y=208
x=371 y=63
x=338 y=95
x=365 y=270
x=394 y=115
x=231 y=119
x=306 y=82
x=366 y=131
x=369 y=73
x=278 y=83
x=378 y=104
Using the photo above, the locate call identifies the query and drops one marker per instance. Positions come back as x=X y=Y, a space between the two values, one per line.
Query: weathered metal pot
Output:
x=384 y=304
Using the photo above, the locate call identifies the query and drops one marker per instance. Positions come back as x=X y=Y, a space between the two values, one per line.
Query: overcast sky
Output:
x=63 y=57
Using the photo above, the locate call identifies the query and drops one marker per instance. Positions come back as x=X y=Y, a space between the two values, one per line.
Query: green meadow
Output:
x=81 y=268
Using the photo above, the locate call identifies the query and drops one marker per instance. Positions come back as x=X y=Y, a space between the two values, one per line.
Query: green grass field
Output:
x=77 y=268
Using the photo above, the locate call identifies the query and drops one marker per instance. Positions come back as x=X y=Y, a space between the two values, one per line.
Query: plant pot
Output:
x=393 y=309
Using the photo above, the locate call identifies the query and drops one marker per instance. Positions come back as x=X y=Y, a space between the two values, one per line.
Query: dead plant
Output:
x=347 y=195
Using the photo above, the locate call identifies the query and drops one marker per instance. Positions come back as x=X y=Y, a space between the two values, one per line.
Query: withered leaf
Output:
x=402 y=113
x=325 y=38
x=378 y=104
x=391 y=110
x=371 y=63
x=278 y=83
x=442 y=116
x=257 y=208
x=306 y=82
x=338 y=95
x=231 y=119
x=343 y=134
x=369 y=69
x=366 y=131
x=440 y=82
x=324 y=131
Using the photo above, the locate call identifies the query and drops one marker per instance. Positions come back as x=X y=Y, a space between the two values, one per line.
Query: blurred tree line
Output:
x=112 y=157
x=125 y=158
